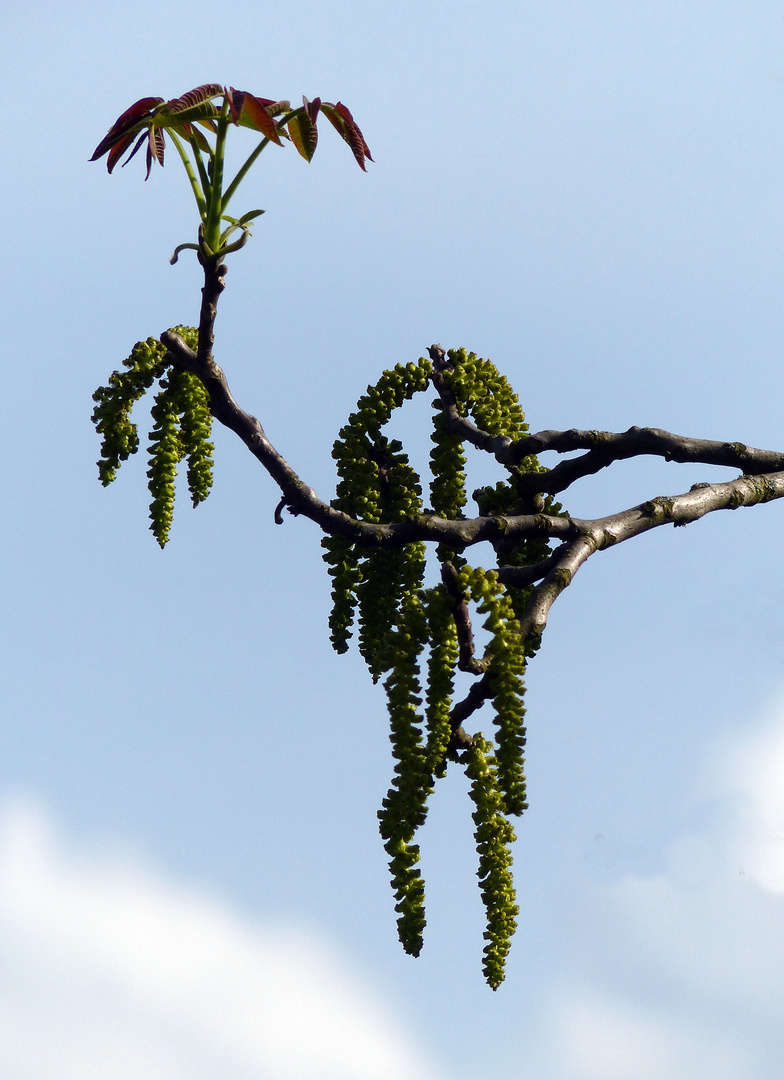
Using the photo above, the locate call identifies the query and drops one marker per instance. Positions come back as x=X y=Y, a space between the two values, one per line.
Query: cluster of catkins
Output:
x=382 y=589
x=182 y=425
x=399 y=618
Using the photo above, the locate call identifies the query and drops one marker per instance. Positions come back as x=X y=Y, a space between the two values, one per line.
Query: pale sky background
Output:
x=192 y=886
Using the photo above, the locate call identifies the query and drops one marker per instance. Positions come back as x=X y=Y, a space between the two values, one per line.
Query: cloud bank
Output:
x=681 y=973
x=108 y=971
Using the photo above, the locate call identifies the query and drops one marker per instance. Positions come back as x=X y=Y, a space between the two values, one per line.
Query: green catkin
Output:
x=165 y=453
x=392 y=575
x=506 y=651
x=440 y=678
x=114 y=402
x=346 y=575
x=404 y=808
x=447 y=488
x=477 y=384
x=377 y=484
x=182 y=426
x=494 y=835
x=195 y=430
x=397 y=617
x=447 y=465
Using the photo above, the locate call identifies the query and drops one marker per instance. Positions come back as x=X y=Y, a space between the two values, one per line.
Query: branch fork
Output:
x=761 y=480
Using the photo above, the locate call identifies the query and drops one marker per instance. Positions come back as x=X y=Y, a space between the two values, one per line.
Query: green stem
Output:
x=199 y=194
x=216 y=203
x=243 y=172
x=203 y=174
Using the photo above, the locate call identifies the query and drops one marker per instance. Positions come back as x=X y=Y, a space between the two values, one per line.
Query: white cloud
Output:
x=108 y=971
x=754 y=770
x=602 y=1039
x=681 y=973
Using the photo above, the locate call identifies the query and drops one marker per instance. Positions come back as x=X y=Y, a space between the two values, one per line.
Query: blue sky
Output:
x=191 y=879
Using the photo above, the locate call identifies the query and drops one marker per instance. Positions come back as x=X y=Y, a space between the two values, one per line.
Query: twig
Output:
x=467 y=660
x=454 y=422
x=604 y=447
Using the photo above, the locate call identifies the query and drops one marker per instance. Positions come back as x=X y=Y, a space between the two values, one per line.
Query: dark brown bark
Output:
x=762 y=480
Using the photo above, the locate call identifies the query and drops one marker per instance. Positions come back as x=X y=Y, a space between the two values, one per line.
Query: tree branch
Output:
x=604 y=447
x=214 y=284
x=474 y=700
x=299 y=498
x=763 y=480
x=520 y=576
x=454 y=422
x=467 y=660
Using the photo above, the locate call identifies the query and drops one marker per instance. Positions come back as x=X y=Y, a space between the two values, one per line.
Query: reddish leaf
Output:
x=194 y=97
x=344 y=123
x=312 y=108
x=275 y=108
x=304 y=133
x=155 y=148
x=202 y=110
x=334 y=118
x=157 y=144
x=139 y=144
x=119 y=149
x=190 y=131
x=255 y=115
x=236 y=99
x=133 y=116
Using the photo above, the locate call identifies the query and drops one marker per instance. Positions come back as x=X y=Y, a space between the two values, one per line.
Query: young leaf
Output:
x=139 y=144
x=304 y=133
x=252 y=112
x=197 y=96
x=191 y=132
x=235 y=99
x=203 y=110
x=345 y=125
x=119 y=149
x=155 y=148
x=312 y=108
x=126 y=125
x=251 y=214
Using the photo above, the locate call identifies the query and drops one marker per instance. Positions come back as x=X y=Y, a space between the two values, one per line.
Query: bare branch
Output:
x=214 y=284
x=474 y=699
x=467 y=660
x=301 y=499
x=543 y=596
x=701 y=499
x=520 y=576
x=605 y=532
x=462 y=533
x=604 y=447
x=454 y=422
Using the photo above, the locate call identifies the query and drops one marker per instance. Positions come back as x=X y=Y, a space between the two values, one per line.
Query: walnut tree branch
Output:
x=454 y=422
x=467 y=660
x=758 y=485
x=461 y=533
x=302 y=499
x=605 y=447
